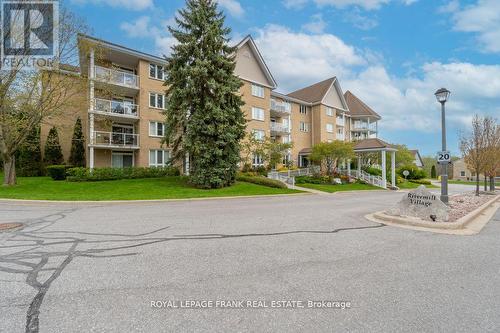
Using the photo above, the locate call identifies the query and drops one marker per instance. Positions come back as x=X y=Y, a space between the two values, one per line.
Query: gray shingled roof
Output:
x=314 y=93
x=357 y=107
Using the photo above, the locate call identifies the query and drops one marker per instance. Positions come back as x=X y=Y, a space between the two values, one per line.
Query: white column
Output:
x=91 y=109
x=384 y=172
x=186 y=165
x=393 y=168
x=349 y=168
x=359 y=165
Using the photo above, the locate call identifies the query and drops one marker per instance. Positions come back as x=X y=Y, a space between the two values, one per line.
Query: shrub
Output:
x=415 y=173
x=259 y=180
x=77 y=154
x=420 y=181
x=372 y=171
x=29 y=156
x=57 y=172
x=102 y=174
x=53 y=153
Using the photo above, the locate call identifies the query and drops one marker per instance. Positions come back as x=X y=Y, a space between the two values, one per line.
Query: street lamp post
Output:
x=444 y=158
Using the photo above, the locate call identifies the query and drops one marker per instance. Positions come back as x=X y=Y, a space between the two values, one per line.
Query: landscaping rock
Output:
x=423 y=204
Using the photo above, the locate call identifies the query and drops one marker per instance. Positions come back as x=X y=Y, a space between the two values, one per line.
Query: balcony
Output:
x=340 y=122
x=119 y=78
x=115 y=140
x=340 y=137
x=278 y=129
x=116 y=108
x=280 y=109
x=364 y=126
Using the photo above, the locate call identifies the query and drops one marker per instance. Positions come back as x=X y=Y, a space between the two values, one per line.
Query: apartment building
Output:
x=123 y=120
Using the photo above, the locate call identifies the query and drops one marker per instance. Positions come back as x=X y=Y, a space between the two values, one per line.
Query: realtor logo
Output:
x=29 y=33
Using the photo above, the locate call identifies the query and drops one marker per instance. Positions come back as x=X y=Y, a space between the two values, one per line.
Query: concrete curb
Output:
x=25 y=201
x=469 y=224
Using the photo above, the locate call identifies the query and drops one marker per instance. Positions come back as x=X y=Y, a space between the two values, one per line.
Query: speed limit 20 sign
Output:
x=444 y=157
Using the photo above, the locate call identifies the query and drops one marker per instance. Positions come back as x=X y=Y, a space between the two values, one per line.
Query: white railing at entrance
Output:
x=366 y=177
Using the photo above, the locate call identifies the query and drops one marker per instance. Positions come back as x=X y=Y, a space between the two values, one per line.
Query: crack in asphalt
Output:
x=38 y=243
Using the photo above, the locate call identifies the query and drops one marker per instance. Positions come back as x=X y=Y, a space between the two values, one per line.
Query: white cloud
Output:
x=142 y=27
x=482 y=18
x=365 y=4
x=405 y=102
x=360 y=21
x=128 y=4
x=317 y=25
x=232 y=6
x=299 y=58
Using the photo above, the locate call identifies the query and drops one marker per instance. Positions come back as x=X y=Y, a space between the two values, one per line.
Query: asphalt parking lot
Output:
x=98 y=268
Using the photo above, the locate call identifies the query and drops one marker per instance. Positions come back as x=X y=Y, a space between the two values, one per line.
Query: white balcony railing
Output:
x=282 y=107
x=116 y=107
x=279 y=128
x=340 y=137
x=113 y=76
x=340 y=122
x=361 y=125
x=115 y=139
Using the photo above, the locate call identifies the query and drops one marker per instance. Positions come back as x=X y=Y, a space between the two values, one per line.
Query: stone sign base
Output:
x=423 y=204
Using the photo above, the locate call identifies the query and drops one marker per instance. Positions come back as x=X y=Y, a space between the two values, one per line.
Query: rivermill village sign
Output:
x=422 y=204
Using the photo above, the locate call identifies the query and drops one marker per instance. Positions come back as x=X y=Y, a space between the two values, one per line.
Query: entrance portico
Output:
x=374 y=146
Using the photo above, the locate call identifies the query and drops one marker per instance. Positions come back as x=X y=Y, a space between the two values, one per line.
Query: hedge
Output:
x=58 y=172
x=259 y=180
x=420 y=181
x=415 y=172
x=102 y=174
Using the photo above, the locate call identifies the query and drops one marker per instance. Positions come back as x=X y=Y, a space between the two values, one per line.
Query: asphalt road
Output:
x=98 y=267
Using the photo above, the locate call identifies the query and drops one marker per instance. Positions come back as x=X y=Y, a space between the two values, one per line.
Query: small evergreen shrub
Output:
x=103 y=174
x=77 y=154
x=259 y=180
x=57 y=172
x=53 y=153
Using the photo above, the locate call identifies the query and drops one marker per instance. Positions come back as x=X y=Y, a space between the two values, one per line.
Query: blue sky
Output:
x=393 y=54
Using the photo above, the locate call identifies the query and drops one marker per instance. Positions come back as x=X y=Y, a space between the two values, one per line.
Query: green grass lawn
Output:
x=44 y=188
x=410 y=185
x=339 y=188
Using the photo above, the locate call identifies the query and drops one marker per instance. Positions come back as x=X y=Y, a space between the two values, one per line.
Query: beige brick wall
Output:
x=148 y=114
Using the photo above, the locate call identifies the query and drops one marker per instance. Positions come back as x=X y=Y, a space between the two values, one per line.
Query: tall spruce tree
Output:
x=203 y=115
x=77 y=155
x=53 y=153
x=29 y=156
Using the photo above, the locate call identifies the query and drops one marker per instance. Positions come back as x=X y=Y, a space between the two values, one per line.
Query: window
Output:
x=156 y=128
x=329 y=128
x=156 y=101
x=158 y=158
x=156 y=72
x=286 y=139
x=340 y=131
x=257 y=114
x=257 y=91
x=259 y=134
x=257 y=160
x=329 y=111
x=462 y=173
x=304 y=127
x=303 y=109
